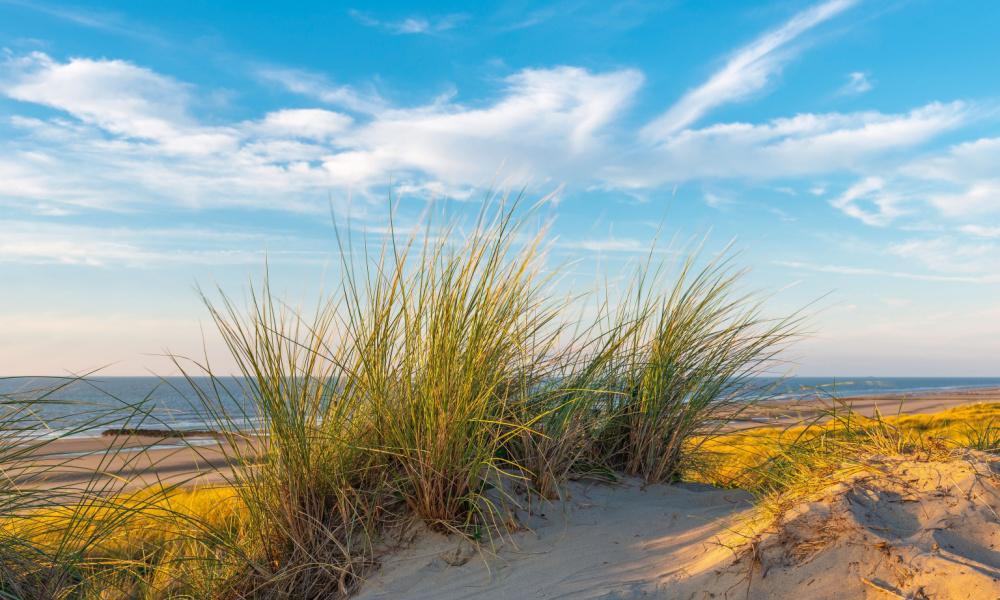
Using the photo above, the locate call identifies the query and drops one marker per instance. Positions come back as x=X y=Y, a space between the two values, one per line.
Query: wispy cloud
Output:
x=981 y=231
x=948 y=255
x=869 y=202
x=858 y=83
x=125 y=136
x=872 y=272
x=958 y=183
x=27 y=242
x=102 y=21
x=746 y=72
x=412 y=25
x=806 y=144
x=318 y=87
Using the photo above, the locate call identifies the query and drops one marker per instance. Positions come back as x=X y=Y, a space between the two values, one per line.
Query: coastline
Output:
x=202 y=459
x=790 y=411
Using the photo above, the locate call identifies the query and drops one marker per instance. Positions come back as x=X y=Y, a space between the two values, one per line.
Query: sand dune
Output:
x=911 y=530
x=605 y=542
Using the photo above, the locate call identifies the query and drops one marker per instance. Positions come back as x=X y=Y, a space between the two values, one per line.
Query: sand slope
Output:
x=911 y=530
x=606 y=542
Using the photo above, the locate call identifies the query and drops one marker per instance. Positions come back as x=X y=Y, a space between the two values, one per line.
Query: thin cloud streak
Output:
x=871 y=272
x=745 y=73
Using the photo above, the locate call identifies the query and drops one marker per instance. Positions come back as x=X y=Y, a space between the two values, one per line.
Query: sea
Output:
x=55 y=406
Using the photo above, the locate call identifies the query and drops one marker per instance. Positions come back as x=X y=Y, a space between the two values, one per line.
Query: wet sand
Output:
x=111 y=464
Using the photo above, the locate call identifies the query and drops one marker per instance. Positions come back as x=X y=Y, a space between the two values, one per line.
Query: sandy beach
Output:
x=145 y=460
x=126 y=463
x=786 y=412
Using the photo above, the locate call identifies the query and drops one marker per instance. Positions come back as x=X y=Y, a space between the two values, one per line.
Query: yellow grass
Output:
x=729 y=459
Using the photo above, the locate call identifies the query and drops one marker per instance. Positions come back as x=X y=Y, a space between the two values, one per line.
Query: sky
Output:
x=848 y=149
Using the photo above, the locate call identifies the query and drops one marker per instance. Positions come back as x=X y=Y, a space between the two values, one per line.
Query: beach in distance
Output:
x=172 y=402
x=196 y=460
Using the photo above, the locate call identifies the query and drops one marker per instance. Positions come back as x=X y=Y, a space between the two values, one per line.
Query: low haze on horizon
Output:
x=849 y=147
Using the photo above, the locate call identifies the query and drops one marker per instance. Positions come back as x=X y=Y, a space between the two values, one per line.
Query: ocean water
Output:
x=84 y=408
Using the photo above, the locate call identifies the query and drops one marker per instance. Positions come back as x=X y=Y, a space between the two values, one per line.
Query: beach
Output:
x=143 y=461
x=120 y=463
x=794 y=411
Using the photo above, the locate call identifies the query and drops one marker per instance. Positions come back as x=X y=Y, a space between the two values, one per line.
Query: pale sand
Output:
x=911 y=530
x=109 y=464
x=605 y=542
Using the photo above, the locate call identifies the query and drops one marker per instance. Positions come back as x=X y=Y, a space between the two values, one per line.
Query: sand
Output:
x=909 y=530
x=605 y=542
x=785 y=412
x=135 y=462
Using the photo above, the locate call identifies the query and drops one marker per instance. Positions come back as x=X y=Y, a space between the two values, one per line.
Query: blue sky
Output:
x=848 y=147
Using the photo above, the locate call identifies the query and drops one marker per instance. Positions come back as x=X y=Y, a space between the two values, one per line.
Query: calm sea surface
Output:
x=86 y=407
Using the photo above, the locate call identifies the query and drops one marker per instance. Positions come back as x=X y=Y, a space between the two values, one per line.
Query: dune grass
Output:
x=689 y=366
x=449 y=336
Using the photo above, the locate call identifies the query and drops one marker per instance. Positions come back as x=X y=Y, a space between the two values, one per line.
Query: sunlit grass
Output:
x=787 y=461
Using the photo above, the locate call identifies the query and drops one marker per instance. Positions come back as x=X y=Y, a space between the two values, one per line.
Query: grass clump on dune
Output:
x=654 y=377
x=687 y=367
x=437 y=379
x=314 y=492
x=450 y=337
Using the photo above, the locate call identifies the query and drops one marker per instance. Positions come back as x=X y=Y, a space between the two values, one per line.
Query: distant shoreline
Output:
x=204 y=460
x=792 y=410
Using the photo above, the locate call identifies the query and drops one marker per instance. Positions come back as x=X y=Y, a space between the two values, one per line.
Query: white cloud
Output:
x=411 y=25
x=745 y=73
x=957 y=183
x=857 y=83
x=806 y=144
x=960 y=163
x=981 y=231
x=715 y=200
x=547 y=124
x=868 y=201
x=112 y=94
x=127 y=137
x=627 y=245
x=977 y=197
x=873 y=272
x=318 y=87
x=311 y=123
